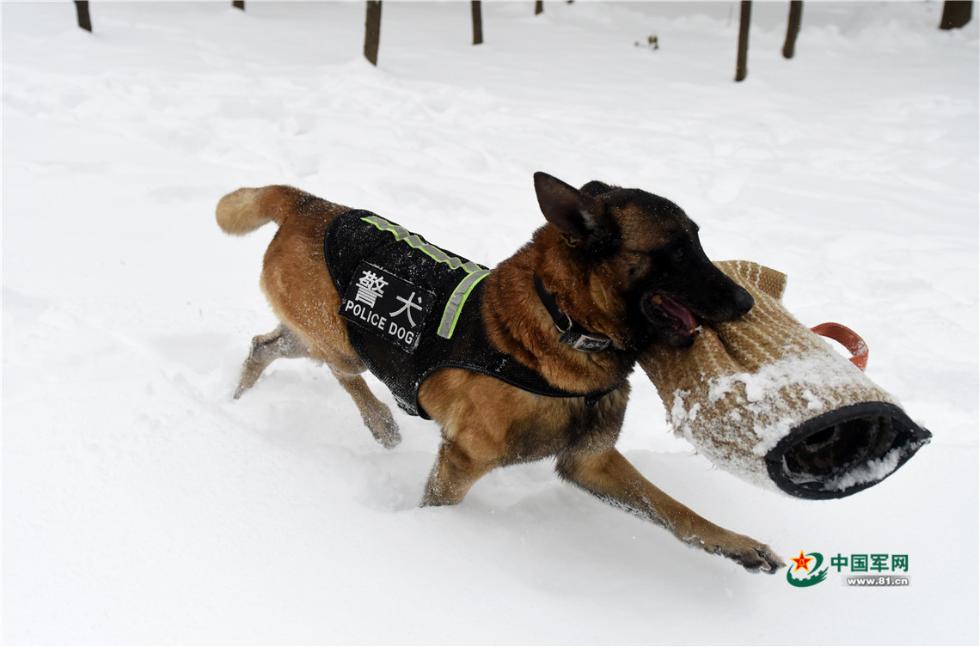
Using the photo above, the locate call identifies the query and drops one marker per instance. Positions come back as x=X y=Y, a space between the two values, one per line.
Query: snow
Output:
x=141 y=504
x=873 y=470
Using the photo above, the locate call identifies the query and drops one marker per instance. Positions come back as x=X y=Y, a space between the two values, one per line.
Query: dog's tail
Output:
x=244 y=210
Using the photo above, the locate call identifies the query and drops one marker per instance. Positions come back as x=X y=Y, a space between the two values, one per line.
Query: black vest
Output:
x=412 y=308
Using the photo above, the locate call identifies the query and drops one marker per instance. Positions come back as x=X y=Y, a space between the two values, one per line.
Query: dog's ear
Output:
x=574 y=213
x=595 y=187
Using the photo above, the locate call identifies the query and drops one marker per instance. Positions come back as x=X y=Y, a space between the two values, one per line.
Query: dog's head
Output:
x=643 y=254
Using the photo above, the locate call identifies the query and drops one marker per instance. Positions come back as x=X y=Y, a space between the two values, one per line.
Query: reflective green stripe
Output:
x=415 y=242
x=382 y=224
x=454 y=306
x=456 y=301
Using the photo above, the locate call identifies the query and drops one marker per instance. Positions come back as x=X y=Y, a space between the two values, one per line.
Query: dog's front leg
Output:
x=456 y=469
x=609 y=476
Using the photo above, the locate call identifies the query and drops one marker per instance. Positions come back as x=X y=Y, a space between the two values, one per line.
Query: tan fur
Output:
x=485 y=422
x=244 y=210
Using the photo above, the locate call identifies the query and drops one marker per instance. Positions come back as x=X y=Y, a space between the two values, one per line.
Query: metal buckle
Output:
x=590 y=344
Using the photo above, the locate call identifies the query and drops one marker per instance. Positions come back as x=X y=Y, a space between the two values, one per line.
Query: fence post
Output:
x=84 y=19
x=538 y=7
x=793 y=27
x=238 y=4
x=741 y=70
x=477 y=12
x=372 y=31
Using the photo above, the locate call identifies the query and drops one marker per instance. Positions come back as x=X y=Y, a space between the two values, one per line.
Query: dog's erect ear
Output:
x=574 y=213
x=595 y=187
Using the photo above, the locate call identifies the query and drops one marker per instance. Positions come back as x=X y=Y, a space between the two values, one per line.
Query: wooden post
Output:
x=477 y=21
x=238 y=4
x=84 y=19
x=372 y=31
x=741 y=70
x=792 y=27
x=538 y=7
x=956 y=13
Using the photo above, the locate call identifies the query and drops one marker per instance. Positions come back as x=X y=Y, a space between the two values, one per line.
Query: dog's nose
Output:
x=743 y=301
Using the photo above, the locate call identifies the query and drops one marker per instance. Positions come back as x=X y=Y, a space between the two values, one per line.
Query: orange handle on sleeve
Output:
x=848 y=339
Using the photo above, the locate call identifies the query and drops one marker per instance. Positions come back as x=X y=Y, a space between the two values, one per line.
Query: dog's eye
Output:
x=677 y=255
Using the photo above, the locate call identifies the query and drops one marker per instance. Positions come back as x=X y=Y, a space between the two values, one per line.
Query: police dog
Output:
x=623 y=264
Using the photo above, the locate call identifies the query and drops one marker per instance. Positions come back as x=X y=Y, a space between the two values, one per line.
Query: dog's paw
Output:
x=753 y=555
x=759 y=558
x=246 y=383
x=384 y=428
x=390 y=439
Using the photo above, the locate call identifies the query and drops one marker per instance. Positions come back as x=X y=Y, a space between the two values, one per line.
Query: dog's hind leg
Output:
x=265 y=349
x=284 y=343
x=375 y=413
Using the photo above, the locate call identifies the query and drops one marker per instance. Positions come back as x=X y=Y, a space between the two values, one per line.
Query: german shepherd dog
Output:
x=621 y=263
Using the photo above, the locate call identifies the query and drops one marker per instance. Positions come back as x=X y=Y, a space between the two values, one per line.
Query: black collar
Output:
x=572 y=334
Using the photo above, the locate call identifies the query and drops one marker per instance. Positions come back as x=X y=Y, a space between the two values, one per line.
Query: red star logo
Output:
x=802 y=562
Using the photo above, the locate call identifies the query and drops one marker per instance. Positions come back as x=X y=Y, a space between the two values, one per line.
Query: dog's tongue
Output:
x=679 y=312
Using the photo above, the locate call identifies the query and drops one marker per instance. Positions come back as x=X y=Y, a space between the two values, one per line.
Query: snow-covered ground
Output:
x=141 y=504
